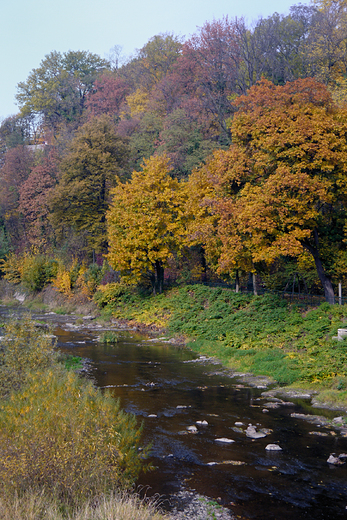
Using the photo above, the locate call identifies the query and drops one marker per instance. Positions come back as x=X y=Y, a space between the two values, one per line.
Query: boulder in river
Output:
x=273 y=447
x=336 y=460
x=252 y=433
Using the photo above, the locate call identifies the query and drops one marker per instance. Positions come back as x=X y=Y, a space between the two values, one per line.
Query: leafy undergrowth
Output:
x=59 y=435
x=260 y=334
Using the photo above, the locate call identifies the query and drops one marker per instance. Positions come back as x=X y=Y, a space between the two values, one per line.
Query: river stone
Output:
x=152 y=415
x=230 y=462
x=338 y=419
x=192 y=429
x=335 y=460
x=224 y=440
x=252 y=433
x=273 y=447
x=202 y=423
x=272 y=405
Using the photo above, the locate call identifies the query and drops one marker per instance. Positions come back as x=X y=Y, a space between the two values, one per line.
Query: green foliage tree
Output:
x=56 y=91
x=145 y=223
x=95 y=158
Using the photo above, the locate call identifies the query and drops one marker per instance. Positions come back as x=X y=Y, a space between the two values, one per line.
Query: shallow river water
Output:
x=178 y=388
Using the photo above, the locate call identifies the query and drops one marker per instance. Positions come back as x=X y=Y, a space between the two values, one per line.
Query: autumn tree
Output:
x=281 y=187
x=34 y=197
x=109 y=92
x=56 y=91
x=213 y=58
x=95 y=158
x=326 y=48
x=153 y=61
x=145 y=223
x=18 y=163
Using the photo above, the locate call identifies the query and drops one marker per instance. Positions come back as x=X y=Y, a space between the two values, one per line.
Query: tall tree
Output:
x=108 y=95
x=17 y=166
x=34 y=196
x=57 y=89
x=213 y=57
x=95 y=158
x=281 y=187
x=153 y=61
x=327 y=42
x=145 y=223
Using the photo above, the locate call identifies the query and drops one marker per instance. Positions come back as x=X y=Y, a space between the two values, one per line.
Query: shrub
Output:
x=34 y=271
x=108 y=336
x=11 y=268
x=23 y=349
x=58 y=432
x=111 y=293
x=37 y=271
x=62 y=434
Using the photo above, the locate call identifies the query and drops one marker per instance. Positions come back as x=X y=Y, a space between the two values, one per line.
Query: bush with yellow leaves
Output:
x=58 y=432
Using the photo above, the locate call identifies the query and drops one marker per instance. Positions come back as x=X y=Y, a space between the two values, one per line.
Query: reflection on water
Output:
x=154 y=378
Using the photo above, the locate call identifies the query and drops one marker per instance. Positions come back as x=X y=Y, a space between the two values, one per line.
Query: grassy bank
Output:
x=260 y=334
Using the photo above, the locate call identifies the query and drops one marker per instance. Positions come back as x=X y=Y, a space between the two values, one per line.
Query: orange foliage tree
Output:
x=280 y=189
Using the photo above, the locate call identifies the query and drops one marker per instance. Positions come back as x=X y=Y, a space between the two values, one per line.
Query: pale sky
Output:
x=30 y=29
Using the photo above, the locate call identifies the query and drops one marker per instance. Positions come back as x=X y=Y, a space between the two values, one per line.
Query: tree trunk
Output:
x=254 y=280
x=159 y=277
x=237 y=281
x=325 y=280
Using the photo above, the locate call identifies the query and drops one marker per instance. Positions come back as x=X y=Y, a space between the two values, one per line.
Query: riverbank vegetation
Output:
x=67 y=449
x=264 y=335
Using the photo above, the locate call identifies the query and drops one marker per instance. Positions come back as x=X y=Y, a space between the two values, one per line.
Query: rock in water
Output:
x=252 y=433
x=225 y=440
x=334 y=460
x=273 y=447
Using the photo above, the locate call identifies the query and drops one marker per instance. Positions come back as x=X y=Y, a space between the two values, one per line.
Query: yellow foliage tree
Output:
x=145 y=223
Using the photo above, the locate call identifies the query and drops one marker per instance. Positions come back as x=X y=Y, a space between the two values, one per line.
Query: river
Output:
x=170 y=389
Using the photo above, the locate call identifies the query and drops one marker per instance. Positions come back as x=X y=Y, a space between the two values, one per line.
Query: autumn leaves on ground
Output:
x=221 y=158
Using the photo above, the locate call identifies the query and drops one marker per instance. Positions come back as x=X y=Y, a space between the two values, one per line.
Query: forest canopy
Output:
x=209 y=157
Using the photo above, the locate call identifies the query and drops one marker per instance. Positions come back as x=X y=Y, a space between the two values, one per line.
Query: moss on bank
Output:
x=264 y=335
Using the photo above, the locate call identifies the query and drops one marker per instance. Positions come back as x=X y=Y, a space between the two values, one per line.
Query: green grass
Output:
x=71 y=362
x=260 y=334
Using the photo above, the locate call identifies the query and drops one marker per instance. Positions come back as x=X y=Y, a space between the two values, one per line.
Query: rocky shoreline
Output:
x=189 y=505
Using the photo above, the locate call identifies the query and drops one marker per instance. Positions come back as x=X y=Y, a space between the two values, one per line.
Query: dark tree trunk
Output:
x=158 y=278
x=325 y=280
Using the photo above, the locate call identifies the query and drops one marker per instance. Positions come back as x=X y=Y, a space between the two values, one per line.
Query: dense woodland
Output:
x=217 y=156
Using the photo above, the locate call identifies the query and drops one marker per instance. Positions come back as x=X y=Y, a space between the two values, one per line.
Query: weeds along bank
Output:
x=65 y=446
x=260 y=334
